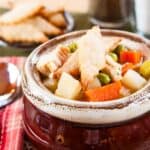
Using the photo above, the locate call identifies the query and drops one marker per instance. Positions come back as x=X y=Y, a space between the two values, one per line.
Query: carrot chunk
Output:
x=104 y=93
x=130 y=56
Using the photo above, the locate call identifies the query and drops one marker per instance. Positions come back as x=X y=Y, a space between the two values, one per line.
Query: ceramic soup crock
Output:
x=56 y=123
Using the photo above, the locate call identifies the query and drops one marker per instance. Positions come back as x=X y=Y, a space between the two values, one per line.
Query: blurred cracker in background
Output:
x=40 y=19
x=21 y=33
x=44 y=26
x=69 y=5
x=20 y=13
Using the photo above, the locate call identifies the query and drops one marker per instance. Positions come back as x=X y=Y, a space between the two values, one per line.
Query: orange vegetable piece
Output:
x=130 y=56
x=104 y=93
x=126 y=67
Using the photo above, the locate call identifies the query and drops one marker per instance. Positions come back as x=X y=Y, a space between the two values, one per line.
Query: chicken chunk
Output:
x=110 y=61
x=50 y=62
x=111 y=43
x=91 y=53
x=115 y=72
x=113 y=68
x=71 y=66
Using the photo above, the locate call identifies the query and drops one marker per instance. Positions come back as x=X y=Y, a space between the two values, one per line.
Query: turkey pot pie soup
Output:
x=94 y=68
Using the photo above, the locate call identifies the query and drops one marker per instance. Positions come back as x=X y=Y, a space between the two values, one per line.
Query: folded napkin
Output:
x=11 y=130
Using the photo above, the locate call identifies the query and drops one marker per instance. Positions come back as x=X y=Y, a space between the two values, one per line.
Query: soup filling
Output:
x=94 y=68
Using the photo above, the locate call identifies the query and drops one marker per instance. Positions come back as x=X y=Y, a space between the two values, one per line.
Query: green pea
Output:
x=104 y=78
x=113 y=56
x=119 y=49
x=73 y=47
x=145 y=69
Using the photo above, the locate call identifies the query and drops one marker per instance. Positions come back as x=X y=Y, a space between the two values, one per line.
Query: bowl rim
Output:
x=122 y=103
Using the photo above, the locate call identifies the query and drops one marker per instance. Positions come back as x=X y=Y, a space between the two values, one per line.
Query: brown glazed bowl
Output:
x=56 y=123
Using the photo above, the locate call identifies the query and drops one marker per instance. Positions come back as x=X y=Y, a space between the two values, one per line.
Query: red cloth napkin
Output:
x=11 y=130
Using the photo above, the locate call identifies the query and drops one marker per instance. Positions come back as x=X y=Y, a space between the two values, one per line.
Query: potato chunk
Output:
x=68 y=87
x=133 y=80
x=94 y=84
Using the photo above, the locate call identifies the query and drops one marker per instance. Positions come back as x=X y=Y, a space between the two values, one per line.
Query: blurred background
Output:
x=70 y=5
x=129 y=15
x=125 y=13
